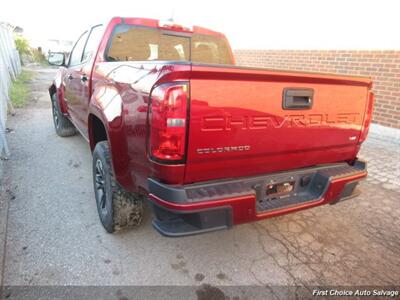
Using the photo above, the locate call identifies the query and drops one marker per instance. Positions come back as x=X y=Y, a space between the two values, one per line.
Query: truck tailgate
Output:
x=246 y=122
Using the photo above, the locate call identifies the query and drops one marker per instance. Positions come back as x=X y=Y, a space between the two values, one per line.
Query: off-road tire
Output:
x=62 y=124
x=121 y=209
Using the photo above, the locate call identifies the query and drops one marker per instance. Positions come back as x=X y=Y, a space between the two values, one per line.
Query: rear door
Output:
x=75 y=82
x=246 y=122
x=85 y=72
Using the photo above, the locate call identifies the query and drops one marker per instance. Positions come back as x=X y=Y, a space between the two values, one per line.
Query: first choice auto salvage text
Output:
x=357 y=292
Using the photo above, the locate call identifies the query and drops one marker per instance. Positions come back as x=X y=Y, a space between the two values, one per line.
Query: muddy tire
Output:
x=62 y=124
x=117 y=208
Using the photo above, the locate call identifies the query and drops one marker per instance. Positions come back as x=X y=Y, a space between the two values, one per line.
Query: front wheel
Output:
x=117 y=208
x=62 y=124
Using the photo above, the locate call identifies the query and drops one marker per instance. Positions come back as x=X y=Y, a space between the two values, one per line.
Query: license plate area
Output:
x=287 y=191
x=279 y=189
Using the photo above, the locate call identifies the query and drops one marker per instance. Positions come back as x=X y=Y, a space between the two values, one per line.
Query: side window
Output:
x=93 y=42
x=76 y=54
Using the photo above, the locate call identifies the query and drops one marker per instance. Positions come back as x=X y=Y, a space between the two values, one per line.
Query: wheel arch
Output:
x=59 y=92
x=99 y=130
x=52 y=90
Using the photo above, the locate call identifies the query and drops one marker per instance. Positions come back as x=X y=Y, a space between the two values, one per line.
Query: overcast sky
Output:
x=248 y=24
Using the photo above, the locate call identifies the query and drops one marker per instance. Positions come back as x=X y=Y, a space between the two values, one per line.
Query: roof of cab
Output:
x=157 y=24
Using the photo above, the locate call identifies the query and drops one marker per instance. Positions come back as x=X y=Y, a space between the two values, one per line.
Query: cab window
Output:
x=93 y=42
x=76 y=55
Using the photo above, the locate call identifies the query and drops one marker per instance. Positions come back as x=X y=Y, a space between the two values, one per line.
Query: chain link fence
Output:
x=10 y=67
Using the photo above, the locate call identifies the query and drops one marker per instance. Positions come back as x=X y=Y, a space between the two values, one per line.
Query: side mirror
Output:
x=56 y=58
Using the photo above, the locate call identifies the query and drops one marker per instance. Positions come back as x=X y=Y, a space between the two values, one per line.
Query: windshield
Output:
x=134 y=43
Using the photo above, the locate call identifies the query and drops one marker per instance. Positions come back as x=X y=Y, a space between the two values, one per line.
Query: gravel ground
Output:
x=54 y=236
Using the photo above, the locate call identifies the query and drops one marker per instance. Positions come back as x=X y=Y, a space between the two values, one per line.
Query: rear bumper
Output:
x=199 y=208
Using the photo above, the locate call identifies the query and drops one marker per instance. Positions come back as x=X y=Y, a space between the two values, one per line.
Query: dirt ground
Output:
x=54 y=237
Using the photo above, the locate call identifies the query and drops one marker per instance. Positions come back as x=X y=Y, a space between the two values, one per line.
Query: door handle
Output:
x=70 y=77
x=294 y=98
x=84 y=78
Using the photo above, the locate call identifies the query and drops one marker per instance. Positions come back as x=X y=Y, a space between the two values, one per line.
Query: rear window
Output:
x=133 y=43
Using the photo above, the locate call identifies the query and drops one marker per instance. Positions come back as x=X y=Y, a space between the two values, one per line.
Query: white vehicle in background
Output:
x=58 y=46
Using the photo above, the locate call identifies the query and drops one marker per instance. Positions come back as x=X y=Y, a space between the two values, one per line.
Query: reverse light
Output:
x=168 y=122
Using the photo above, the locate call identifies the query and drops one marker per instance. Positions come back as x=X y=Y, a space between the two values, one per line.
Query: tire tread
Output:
x=66 y=128
x=127 y=207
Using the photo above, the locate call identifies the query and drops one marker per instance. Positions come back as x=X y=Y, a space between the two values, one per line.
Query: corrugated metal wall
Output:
x=10 y=67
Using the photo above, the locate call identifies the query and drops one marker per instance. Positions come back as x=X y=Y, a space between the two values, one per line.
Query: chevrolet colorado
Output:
x=170 y=118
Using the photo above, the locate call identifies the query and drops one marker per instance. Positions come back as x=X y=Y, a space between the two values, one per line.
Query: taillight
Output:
x=168 y=122
x=367 y=117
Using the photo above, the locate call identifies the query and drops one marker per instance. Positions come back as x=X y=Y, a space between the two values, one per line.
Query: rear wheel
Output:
x=62 y=124
x=117 y=208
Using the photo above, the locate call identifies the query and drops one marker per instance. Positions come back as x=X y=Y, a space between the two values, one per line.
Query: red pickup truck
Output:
x=170 y=118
